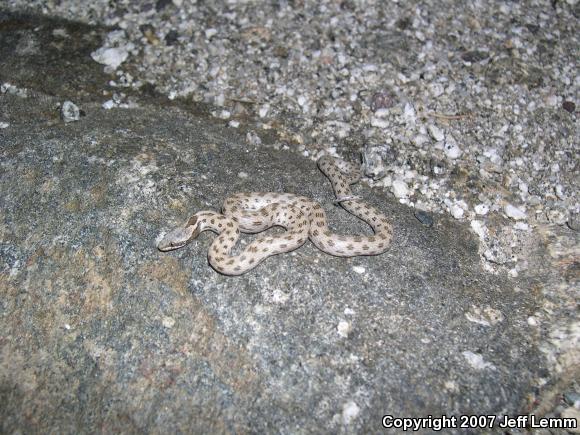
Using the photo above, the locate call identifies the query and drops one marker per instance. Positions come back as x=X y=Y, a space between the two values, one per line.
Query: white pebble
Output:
x=457 y=211
x=168 y=322
x=4 y=125
x=350 y=411
x=436 y=133
x=419 y=140
x=514 y=212
x=409 y=114
x=476 y=361
x=264 y=110
x=112 y=57
x=107 y=105
x=436 y=89
x=343 y=328
x=253 y=139
x=521 y=226
x=481 y=209
x=69 y=112
x=452 y=150
x=532 y=321
x=210 y=32
x=359 y=269
x=400 y=189
x=242 y=175
x=379 y=122
x=478 y=228
x=234 y=124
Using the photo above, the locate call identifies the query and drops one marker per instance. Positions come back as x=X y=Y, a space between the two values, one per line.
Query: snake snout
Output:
x=176 y=238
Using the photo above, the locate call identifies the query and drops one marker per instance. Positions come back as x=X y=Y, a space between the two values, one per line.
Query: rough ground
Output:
x=101 y=332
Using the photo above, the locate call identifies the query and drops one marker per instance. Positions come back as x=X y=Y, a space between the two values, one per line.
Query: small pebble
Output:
x=253 y=139
x=69 y=112
x=514 y=212
x=476 y=361
x=481 y=209
x=343 y=328
x=400 y=189
x=478 y=228
x=572 y=398
x=109 y=104
x=569 y=106
x=424 y=217
x=350 y=411
x=456 y=211
x=168 y=322
x=242 y=175
x=359 y=269
x=4 y=125
x=436 y=133
x=452 y=150
x=112 y=57
x=521 y=226
x=382 y=100
x=379 y=122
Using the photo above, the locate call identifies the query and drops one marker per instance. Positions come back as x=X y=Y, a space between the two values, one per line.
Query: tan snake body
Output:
x=302 y=218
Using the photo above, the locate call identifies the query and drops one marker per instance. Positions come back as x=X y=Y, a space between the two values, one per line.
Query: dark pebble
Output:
x=474 y=56
x=569 y=106
x=162 y=4
x=383 y=100
x=424 y=217
x=571 y=397
x=171 y=37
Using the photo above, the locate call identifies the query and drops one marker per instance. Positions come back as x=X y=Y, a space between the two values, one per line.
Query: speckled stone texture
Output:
x=101 y=332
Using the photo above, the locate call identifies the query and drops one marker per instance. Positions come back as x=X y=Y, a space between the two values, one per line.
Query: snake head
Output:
x=180 y=236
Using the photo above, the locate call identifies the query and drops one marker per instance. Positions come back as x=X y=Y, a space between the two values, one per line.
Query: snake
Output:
x=302 y=218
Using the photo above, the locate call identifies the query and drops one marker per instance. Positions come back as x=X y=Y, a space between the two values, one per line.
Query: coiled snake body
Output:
x=302 y=218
